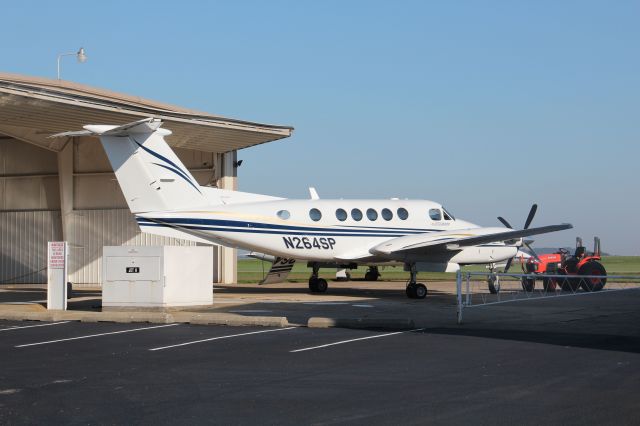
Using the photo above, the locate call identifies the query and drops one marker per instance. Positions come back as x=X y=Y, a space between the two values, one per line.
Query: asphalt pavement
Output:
x=107 y=373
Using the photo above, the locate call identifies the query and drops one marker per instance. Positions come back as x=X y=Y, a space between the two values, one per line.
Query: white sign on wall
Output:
x=57 y=262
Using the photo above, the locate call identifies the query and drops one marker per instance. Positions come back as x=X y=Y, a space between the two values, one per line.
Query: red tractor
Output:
x=563 y=263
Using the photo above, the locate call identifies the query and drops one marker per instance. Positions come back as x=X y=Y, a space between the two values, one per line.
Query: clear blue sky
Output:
x=483 y=106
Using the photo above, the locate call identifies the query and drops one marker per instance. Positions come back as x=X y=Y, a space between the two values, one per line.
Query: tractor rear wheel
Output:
x=549 y=284
x=528 y=284
x=570 y=284
x=592 y=268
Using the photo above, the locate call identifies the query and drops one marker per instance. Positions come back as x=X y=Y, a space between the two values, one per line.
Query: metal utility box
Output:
x=159 y=276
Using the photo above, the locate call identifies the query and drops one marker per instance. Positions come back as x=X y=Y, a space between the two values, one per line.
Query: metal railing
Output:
x=473 y=291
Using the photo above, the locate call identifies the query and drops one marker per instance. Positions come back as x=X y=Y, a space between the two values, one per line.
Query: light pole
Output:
x=79 y=54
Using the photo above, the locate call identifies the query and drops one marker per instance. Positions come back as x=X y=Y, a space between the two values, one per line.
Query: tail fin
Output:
x=150 y=174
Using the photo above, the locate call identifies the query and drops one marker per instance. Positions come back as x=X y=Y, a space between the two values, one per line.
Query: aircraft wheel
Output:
x=411 y=291
x=592 y=284
x=420 y=290
x=318 y=285
x=313 y=284
x=494 y=285
x=371 y=275
x=528 y=284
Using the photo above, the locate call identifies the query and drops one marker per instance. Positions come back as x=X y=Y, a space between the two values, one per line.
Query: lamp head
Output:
x=81 y=55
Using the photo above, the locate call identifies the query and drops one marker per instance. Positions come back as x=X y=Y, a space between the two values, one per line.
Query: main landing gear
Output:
x=372 y=274
x=493 y=281
x=415 y=290
x=317 y=284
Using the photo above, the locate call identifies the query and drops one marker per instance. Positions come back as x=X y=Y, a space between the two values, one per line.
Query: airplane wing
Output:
x=457 y=240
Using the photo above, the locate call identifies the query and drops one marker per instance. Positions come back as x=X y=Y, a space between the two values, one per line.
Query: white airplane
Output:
x=167 y=200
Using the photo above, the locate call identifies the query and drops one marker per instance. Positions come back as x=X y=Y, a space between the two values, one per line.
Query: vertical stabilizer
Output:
x=151 y=175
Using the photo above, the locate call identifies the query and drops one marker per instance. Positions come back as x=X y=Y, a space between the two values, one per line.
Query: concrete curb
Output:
x=372 y=323
x=148 y=317
x=238 y=320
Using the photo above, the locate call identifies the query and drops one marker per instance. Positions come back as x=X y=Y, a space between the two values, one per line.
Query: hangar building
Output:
x=65 y=189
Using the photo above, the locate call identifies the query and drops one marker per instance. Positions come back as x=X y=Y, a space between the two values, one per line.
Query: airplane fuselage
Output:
x=329 y=230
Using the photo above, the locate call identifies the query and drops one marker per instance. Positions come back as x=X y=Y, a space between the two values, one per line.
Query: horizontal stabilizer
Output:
x=140 y=127
x=279 y=271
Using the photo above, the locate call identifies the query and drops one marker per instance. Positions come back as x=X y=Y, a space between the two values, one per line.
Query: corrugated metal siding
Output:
x=90 y=230
x=23 y=245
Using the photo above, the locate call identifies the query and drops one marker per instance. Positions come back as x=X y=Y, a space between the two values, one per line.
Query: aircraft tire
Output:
x=371 y=276
x=321 y=285
x=411 y=291
x=318 y=285
x=494 y=285
x=420 y=290
x=313 y=285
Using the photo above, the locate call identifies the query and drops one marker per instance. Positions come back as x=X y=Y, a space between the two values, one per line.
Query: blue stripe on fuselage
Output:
x=288 y=228
x=265 y=231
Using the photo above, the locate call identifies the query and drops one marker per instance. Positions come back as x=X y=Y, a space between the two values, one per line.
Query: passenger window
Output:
x=372 y=214
x=283 y=214
x=356 y=214
x=403 y=213
x=315 y=215
x=341 y=215
x=434 y=214
x=386 y=214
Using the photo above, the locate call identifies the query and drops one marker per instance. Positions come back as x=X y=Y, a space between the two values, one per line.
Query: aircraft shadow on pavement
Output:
x=335 y=289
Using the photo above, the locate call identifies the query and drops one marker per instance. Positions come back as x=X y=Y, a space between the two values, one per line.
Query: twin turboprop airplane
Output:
x=167 y=200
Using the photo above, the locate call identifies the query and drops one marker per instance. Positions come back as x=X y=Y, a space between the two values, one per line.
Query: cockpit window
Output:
x=434 y=214
x=447 y=215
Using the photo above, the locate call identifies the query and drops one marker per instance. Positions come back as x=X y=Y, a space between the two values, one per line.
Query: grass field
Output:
x=253 y=270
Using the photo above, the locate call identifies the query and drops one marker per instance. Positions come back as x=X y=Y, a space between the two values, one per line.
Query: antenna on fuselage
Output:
x=313 y=193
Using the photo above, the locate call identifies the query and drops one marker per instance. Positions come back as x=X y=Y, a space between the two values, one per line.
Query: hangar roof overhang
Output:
x=32 y=108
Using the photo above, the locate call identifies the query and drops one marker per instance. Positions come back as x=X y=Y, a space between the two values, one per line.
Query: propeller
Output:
x=527 y=223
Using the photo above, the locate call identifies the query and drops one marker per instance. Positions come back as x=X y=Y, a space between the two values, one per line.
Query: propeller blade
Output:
x=532 y=213
x=508 y=265
x=532 y=251
x=504 y=222
x=527 y=242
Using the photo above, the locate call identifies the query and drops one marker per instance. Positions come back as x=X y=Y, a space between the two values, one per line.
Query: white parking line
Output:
x=31 y=326
x=377 y=336
x=220 y=337
x=96 y=335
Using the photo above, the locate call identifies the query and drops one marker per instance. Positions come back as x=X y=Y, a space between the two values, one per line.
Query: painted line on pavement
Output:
x=355 y=340
x=31 y=326
x=96 y=335
x=220 y=337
